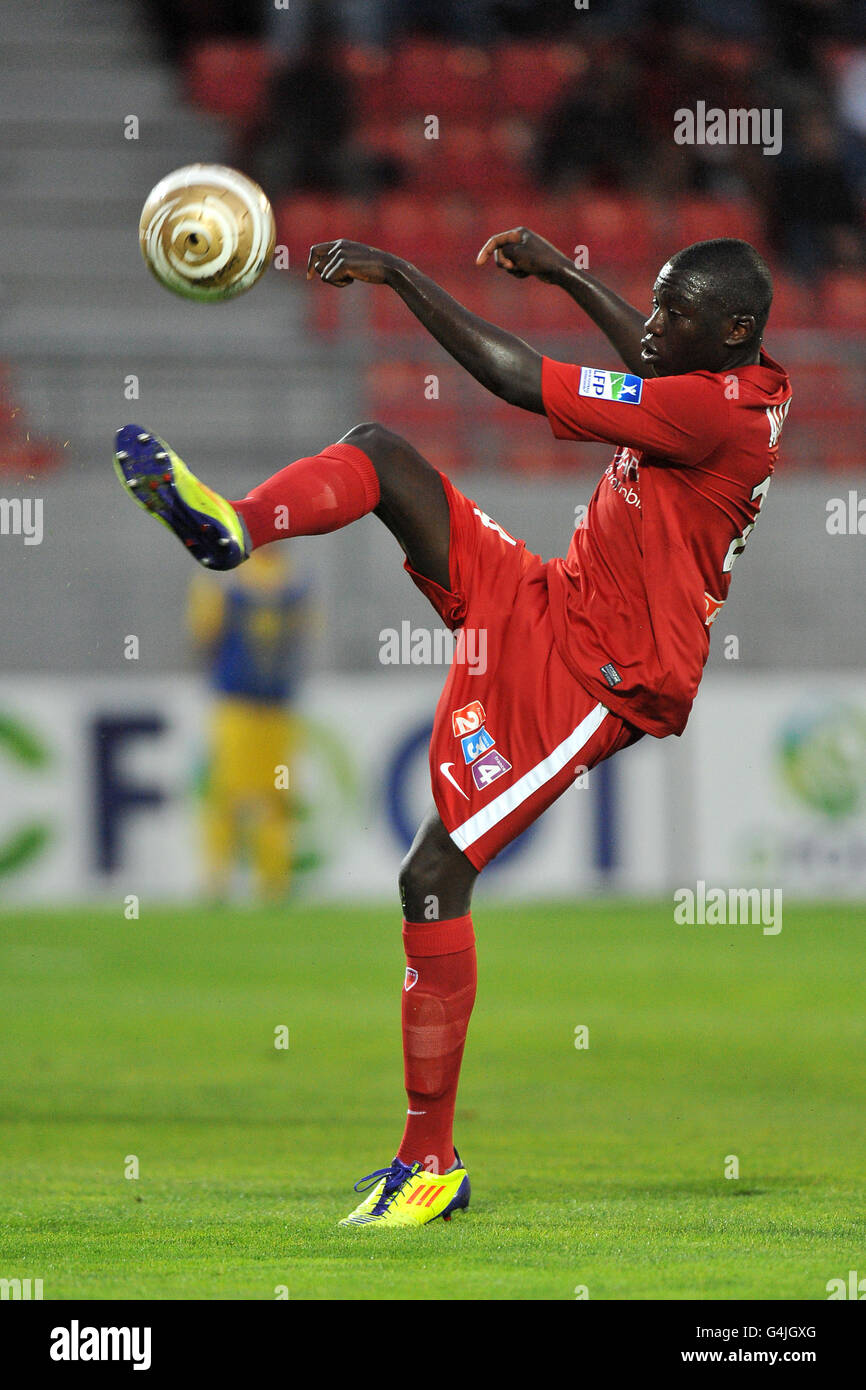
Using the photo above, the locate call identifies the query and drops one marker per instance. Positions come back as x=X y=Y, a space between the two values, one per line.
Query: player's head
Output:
x=710 y=306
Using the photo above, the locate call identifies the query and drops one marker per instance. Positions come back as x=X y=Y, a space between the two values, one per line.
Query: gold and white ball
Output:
x=207 y=232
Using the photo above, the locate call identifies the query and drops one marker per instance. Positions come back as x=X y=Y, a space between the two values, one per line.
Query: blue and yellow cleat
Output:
x=160 y=481
x=407 y=1195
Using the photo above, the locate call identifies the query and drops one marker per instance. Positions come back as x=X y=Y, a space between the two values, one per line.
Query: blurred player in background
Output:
x=254 y=632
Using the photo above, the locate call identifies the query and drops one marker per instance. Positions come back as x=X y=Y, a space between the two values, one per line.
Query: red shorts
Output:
x=513 y=728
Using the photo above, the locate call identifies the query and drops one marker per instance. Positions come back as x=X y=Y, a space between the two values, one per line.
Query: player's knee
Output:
x=436 y=880
x=421 y=873
x=409 y=879
x=374 y=439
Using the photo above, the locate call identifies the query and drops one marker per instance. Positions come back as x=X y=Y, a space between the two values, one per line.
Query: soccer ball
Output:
x=207 y=232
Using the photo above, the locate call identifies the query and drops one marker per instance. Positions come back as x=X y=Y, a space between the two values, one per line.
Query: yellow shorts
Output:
x=250 y=743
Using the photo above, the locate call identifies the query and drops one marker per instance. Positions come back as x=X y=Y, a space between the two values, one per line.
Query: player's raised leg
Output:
x=427 y=1178
x=369 y=469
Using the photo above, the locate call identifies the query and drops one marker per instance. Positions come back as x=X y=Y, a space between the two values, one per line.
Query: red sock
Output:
x=311 y=496
x=438 y=995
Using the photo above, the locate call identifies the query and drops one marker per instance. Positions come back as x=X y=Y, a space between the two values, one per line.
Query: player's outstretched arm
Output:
x=503 y=363
x=521 y=252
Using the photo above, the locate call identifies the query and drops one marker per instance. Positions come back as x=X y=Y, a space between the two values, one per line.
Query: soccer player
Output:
x=253 y=632
x=585 y=654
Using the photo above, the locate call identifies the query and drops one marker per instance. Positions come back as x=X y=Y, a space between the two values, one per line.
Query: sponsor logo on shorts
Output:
x=411 y=979
x=474 y=745
x=488 y=768
x=467 y=719
x=611 y=674
x=610 y=386
x=444 y=769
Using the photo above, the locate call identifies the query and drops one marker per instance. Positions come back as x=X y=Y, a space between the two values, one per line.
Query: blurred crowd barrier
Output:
x=767 y=789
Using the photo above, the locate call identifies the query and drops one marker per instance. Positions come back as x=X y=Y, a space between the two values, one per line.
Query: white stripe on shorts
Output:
x=502 y=805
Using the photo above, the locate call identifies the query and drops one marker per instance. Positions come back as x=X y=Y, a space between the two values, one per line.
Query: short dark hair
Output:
x=737 y=275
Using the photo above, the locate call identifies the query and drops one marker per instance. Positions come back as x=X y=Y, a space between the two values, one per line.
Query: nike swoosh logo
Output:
x=443 y=768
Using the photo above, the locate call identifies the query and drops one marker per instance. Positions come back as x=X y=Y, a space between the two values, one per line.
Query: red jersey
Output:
x=650 y=565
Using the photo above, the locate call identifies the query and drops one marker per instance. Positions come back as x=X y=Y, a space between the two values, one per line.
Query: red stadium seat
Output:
x=604 y=223
x=635 y=285
x=438 y=234
x=415 y=392
x=616 y=228
x=230 y=77
x=498 y=214
x=828 y=423
x=793 y=306
x=402 y=224
x=401 y=139
x=398 y=393
x=306 y=218
x=430 y=77
x=467 y=157
x=370 y=73
x=844 y=300
x=21 y=450
x=529 y=77
x=698 y=219
x=524 y=444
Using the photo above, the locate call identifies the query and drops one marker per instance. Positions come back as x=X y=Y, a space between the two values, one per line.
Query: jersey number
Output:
x=738 y=544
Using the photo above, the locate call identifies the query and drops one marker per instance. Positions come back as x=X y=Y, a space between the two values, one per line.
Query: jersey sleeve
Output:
x=678 y=419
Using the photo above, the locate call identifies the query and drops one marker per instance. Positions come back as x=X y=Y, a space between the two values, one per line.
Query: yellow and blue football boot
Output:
x=407 y=1195
x=160 y=481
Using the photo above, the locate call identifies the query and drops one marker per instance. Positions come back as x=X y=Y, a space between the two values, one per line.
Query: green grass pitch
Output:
x=601 y=1167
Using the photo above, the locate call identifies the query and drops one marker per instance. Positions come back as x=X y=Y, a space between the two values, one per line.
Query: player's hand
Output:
x=521 y=252
x=341 y=262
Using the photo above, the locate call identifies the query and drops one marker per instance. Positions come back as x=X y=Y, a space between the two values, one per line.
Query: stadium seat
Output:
x=616 y=228
x=415 y=392
x=305 y=218
x=402 y=224
x=230 y=77
x=433 y=232
x=21 y=451
x=468 y=157
x=698 y=219
x=370 y=73
x=792 y=303
x=523 y=443
x=399 y=139
x=431 y=77
x=529 y=77
x=844 y=300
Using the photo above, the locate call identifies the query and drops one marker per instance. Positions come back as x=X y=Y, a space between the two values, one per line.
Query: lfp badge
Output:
x=610 y=386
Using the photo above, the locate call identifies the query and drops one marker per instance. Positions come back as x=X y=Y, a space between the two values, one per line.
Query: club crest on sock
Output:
x=411 y=978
